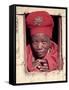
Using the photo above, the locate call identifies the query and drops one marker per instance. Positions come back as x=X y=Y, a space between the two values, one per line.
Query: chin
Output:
x=41 y=56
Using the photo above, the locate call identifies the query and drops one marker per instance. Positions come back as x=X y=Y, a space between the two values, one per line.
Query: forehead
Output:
x=40 y=36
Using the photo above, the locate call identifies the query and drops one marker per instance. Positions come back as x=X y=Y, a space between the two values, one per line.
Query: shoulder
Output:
x=54 y=45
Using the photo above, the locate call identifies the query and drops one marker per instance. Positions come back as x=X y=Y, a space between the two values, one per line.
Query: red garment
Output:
x=51 y=57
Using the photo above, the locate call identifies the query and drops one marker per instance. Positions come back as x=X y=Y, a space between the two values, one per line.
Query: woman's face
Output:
x=40 y=44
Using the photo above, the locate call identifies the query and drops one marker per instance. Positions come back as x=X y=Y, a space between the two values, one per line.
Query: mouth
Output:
x=40 y=53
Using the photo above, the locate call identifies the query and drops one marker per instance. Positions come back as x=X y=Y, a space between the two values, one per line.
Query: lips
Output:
x=40 y=54
x=40 y=51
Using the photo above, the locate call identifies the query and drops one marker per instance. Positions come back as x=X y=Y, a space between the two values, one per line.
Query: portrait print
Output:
x=41 y=44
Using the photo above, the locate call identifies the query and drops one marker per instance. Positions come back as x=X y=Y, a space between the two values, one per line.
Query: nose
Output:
x=40 y=45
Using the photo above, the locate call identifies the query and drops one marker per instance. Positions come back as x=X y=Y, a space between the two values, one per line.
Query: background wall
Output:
x=4 y=44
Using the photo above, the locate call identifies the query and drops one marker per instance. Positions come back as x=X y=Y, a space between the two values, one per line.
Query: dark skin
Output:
x=40 y=45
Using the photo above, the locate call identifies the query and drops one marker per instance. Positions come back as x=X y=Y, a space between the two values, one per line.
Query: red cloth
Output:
x=52 y=58
x=41 y=20
x=46 y=30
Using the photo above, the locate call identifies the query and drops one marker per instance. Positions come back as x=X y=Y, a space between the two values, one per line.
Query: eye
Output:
x=35 y=42
x=44 y=42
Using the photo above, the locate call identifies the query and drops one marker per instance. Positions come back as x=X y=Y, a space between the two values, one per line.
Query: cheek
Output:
x=34 y=46
x=46 y=45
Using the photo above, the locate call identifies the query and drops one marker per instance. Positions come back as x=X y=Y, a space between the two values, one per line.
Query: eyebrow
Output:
x=35 y=39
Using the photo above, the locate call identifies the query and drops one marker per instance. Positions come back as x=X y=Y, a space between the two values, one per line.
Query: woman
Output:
x=42 y=53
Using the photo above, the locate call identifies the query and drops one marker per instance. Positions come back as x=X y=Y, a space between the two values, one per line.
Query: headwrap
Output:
x=40 y=22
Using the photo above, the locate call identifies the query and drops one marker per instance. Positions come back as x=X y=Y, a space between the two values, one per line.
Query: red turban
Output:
x=40 y=22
